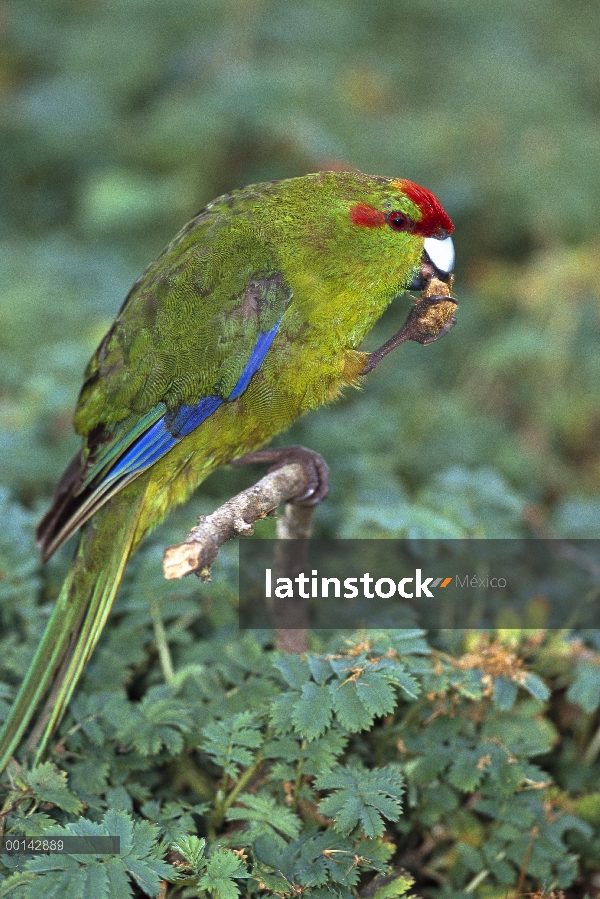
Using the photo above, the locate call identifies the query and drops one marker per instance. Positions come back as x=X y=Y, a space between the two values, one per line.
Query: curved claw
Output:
x=312 y=462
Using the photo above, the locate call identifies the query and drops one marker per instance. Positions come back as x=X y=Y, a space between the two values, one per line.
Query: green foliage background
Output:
x=119 y=120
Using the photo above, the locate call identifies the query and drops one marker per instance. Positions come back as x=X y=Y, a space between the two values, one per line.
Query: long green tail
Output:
x=74 y=628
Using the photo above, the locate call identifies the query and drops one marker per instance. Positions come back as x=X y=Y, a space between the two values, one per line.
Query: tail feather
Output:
x=65 y=496
x=74 y=627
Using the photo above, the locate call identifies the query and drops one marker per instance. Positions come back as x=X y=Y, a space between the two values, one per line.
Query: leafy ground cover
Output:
x=466 y=762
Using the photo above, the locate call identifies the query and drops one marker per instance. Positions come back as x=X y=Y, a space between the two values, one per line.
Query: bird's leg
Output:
x=313 y=463
x=429 y=319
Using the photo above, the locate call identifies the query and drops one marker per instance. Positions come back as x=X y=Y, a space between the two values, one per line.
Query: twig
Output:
x=236 y=518
x=290 y=558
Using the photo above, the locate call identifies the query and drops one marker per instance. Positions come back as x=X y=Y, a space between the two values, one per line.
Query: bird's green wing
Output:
x=192 y=332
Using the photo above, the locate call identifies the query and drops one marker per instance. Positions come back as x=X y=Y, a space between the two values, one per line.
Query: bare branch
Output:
x=295 y=523
x=236 y=518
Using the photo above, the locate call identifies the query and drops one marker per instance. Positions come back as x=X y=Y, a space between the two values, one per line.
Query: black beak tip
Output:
x=418 y=282
x=426 y=272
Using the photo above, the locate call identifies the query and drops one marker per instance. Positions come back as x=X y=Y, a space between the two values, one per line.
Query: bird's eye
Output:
x=398 y=221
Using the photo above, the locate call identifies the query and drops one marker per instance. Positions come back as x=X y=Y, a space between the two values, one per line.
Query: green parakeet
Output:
x=249 y=318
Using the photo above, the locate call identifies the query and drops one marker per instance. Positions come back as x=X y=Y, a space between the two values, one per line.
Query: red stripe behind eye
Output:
x=365 y=215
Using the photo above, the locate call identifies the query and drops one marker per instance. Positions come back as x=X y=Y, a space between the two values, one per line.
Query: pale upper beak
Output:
x=437 y=261
x=441 y=253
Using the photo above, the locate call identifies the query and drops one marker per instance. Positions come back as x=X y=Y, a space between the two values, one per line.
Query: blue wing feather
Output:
x=168 y=430
x=189 y=417
x=147 y=448
x=261 y=347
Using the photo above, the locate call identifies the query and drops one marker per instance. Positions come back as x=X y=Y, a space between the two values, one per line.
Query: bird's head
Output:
x=407 y=219
x=349 y=243
x=375 y=235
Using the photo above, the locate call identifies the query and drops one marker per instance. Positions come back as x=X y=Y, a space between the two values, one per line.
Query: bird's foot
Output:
x=429 y=319
x=313 y=463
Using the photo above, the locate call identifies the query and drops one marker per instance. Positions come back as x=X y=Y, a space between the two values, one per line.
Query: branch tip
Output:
x=236 y=518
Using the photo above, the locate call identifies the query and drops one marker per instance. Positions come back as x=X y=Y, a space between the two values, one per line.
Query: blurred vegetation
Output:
x=120 y=118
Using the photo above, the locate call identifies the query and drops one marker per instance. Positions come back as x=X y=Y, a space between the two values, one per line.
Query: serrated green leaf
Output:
x=118 y=881
x=406 y=682
x=230 y=743
x=274 y=882
x=17 y=885
x=465 y=770
x=585 y=687
x=350 y=710
x=505 y=693
x=370 y=820
x=118 y=823
x=148 y=874
x=145 y=837
x=320 y=668
x=89 y=776
x=94 y=877
x=151 y=724
x=282 y=711
x=192 y=848
x=535 y=686
x=119 y=798
x=264 y=810
x=322 y=753
x=345 y=808
x=175 y=819
x=313 y=710
x=470 y=856
x=361 y=796
x=66 y=878
x=50 y=785
x=392 y=886
x=226 y=863
x=269 y=850
x=376 y=692
x=223 y=866
x=294 y=670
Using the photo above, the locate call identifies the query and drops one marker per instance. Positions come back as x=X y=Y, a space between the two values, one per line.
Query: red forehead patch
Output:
x=433 y=215
x=365 y=215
